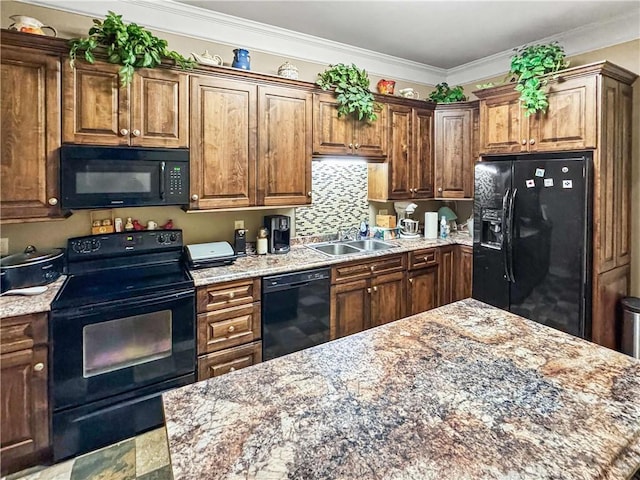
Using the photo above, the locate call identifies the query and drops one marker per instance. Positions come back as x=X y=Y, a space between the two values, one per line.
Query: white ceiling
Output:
x=442 y=34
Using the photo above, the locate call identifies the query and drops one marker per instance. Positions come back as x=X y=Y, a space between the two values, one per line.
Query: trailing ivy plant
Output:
x=529 y=64
x=126 y=44
x=351 y=86
x=445 y=94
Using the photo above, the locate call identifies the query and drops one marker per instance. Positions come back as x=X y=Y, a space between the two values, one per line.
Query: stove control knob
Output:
x=161 y=239
x=95 y=245
x=173 y=237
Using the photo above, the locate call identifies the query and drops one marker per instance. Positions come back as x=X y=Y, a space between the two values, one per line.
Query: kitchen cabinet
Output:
x=150 y=112
x=464 y=272
x=24 y=419
x=366 y=294
x=228 y=327
x=422 y=281
x=408 y=171
x=446 y=275
x=30 y=131
x=454 y=149
x=338 y=136
x=223 y=142
x=568 y=124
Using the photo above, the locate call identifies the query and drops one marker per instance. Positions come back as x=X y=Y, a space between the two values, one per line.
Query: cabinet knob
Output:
x=231 y=295
x=375 y=289
x=404 y=148
x=532 y=142
x=411 y=190
x=194 y=197
x=368 y=290
x=53 y=201
x=411 y=280
x=232 y=369
x=308 y=194
x=231 y=329
x=524 y=141
x=372 y=268
x=38 y=367
x=356 y=146
x=351 y=145
x=124 y=132
x=440 y=189
x=136 y=132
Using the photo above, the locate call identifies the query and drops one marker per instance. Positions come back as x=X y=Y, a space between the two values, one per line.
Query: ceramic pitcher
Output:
x=22 y=23
x=241 y=59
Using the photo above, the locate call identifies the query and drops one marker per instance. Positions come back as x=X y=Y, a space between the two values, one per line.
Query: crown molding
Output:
x=182 y=19
x=189 y=21
x=579 y=40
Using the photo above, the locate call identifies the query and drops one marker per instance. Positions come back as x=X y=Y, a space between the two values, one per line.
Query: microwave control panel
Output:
x=177 y=180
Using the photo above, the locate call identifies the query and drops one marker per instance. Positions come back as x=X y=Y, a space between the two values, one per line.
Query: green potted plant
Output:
x=445 y=94
x=126 y=44
x=351 y=86
x=529 y=65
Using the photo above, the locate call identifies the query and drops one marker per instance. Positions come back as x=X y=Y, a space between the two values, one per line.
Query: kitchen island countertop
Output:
x=465 y=391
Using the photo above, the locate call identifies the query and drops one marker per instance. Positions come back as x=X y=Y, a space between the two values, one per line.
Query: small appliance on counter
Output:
x=279 y=233
x=212 y=254
x=408 y=226
x=30 y=268
x=240 y=242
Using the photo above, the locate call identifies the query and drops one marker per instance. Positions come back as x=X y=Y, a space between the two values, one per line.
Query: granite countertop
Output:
x=14 y=305
x=301 y=257
x=465 y=391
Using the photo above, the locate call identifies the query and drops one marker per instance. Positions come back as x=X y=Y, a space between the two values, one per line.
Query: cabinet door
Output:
x=387 y=298
x=284 y=146
x=331 y=135
x=623 y=175
x=504 y=126
x=446 y=275
x=453 y=155
x=570 y=120
x=399 y=172
x=95 y=107
x=159 y=109
x=370 y=138
x=464 y=272
x=223 y=146
x=24 y=425
x=422 y=290
x=422 y=154
x=350 y=304
x=30 y=132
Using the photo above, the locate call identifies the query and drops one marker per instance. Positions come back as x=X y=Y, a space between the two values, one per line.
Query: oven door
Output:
x=101 y=351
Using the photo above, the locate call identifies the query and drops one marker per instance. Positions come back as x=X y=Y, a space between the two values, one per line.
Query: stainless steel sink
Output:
x=351 y=247
x=370 y=245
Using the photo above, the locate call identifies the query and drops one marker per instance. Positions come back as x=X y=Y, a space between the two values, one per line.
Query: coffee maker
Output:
x=279 y=227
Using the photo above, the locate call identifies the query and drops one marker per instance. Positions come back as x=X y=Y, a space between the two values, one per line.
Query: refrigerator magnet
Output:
x=567 y=184
x=539 y=172
x=565 y=169
x=548 y=182
x=531 y=183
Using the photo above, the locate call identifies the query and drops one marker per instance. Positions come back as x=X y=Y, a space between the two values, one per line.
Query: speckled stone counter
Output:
x=13 y=305
x=465 y=391
x=301 y=257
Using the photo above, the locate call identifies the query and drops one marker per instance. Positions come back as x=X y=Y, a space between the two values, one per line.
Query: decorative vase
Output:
x=386 y=87
x=241 y=59
x=22 y=23
x=287 y=70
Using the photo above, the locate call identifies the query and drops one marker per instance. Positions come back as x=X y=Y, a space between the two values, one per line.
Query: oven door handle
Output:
x=149 y=300
x=163 y=167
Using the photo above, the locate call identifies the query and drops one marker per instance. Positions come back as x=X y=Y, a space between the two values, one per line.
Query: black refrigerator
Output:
x=532 y=238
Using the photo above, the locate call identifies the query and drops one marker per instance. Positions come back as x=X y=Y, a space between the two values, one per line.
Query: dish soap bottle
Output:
x=444 y=228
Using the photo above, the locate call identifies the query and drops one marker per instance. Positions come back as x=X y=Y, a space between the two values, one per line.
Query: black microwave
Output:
x=109 y=177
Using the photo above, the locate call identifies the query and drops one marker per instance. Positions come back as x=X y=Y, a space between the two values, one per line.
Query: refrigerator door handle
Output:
x=510 y=216
x=505 y=233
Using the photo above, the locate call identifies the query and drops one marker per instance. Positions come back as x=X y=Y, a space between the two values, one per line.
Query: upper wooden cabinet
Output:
x=569 y=123
x=250 y=144
x=347 y=135
x=408 y=171
x=454 y=149
x=151 y=112
x=30 y=132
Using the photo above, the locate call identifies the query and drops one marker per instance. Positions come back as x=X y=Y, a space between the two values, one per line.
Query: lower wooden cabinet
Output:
x=350 y=306
x=446 y=275
x=464 y=272
x=387 y=292
x=24 y=419
x=229 y=360
x=422 y=290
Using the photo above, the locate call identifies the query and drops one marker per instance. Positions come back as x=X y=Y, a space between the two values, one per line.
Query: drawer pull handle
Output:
x=38 y=367
x=231 y=329
x=375 y=289
x=372 y=268
x=411 y=280
x=426 y=259
x=368 y=290
x=231 y=295
x=232 y=369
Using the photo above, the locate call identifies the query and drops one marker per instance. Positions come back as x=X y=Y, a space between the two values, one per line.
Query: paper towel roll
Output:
x=431 y=225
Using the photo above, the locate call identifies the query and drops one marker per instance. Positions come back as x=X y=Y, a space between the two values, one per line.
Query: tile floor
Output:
x=145 y=457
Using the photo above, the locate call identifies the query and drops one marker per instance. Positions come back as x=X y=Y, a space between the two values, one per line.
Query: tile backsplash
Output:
x=339 y=197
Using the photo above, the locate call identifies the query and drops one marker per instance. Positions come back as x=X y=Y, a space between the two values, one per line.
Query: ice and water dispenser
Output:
x=491 y=229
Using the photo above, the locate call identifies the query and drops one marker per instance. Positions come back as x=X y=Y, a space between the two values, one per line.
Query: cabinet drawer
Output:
x=423 y=258
x=363 y=270
x=226 y=328
x=230 y=294
x=219 y=363
x=22 y=332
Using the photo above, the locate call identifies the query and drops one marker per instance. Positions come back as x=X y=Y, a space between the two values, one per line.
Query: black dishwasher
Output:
x=295 y=312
